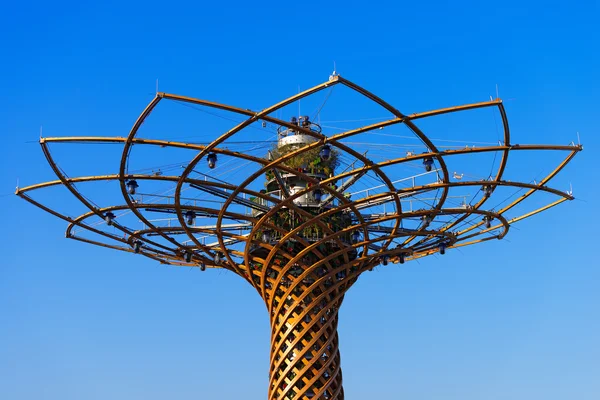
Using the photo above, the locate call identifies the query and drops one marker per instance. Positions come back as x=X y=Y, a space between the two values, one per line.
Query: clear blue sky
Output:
x=513 y=319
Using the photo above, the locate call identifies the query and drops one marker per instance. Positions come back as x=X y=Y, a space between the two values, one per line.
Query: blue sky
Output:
x=514 y=319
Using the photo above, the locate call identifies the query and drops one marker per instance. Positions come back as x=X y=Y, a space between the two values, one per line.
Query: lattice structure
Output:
x=308 y=240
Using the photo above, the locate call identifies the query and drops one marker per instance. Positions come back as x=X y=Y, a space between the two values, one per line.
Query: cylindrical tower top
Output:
x=288 y=136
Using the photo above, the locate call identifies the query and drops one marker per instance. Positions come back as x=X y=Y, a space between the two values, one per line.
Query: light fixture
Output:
x=317 y=195
x=109 y=218
x=132 y=185
x=488 y=221
x=137 y=245
x=202 y=266
x=385 y=259
x=355 y=236
x=190 y=216
x=428 y=163
x=187 y=256
x=401 y=258
x=442 y=248
x=212 y=160
x=487 y=190
x=218 y=258
x=266 y=236
x=325 y=152
x=305 y=121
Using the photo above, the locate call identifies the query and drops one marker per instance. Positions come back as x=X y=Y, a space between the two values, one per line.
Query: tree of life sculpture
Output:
x=306 y=238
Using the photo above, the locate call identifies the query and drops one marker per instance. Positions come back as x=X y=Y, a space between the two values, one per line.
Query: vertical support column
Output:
x=305 y=356
x=304 y=289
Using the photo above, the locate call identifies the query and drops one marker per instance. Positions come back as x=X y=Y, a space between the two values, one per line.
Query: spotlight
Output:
x=132 y=185
x=488 y=221
x=317 y=195
x=218 y=258
x=442 y=248
x=428 y=163
x=212 y=160
x=190 y=216
x=487 y=190
x=109 y=218
x=266 y=237
x=325 y=152
x=305 y=121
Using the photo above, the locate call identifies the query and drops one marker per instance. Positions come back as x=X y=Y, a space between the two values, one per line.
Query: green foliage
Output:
x=308 y=160
x=288 y=220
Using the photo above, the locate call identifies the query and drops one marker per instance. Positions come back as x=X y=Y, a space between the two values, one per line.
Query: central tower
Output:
x=302 y=265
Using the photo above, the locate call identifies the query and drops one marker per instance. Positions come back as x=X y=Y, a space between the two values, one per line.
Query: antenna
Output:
x=578 y=139
x=334 y=73
x=156 y=85
x=497 y=95
x=41 y=130
x=299 y=113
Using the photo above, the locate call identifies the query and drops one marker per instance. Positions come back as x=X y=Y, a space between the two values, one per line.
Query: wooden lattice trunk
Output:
x=303 y=298
x=305 y=356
